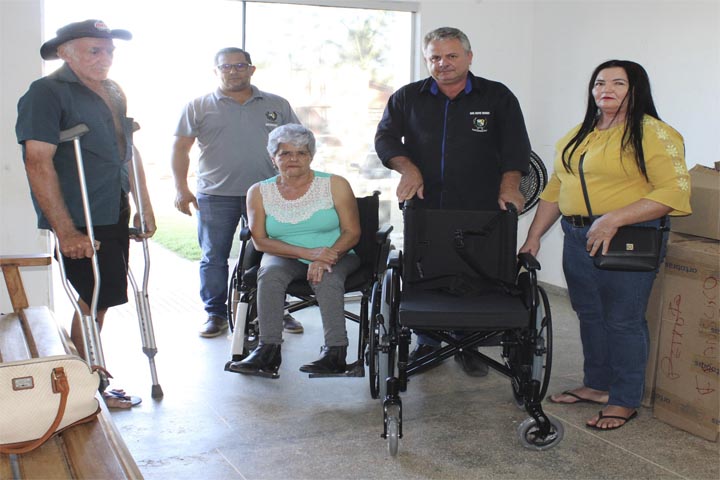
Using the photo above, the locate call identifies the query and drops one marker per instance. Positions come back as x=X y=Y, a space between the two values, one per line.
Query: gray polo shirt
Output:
x=233 y=139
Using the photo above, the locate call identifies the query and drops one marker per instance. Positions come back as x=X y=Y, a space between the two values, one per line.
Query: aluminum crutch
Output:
x=141 y=294
x=90 y=331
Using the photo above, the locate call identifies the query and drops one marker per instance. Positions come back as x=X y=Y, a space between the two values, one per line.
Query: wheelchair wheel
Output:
x=545 y=334
x=233 y=298
x=393 y=430
x=381 y=351
x=531 y=438
x=542 y=356
x=235 y=307
x=373 y=341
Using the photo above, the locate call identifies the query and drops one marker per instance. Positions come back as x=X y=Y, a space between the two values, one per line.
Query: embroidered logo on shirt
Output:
x=271 y=116
x=479 y=125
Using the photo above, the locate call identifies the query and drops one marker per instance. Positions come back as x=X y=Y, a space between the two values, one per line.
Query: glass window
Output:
x=336 y=66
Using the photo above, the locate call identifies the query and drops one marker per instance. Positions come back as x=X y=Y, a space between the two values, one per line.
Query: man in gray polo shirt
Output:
x=231 y=126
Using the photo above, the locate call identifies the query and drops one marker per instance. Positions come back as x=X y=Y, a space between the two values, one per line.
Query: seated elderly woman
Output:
x=306 y=223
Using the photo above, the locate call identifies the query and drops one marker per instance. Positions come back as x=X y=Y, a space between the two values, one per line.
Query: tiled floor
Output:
x=217 y=425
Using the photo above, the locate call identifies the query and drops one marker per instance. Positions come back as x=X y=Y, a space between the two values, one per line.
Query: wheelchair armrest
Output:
x=528 y=261
x=383 y=233
x=245 y=234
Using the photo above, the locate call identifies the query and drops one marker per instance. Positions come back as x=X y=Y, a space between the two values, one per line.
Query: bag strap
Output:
x=584 y=185
x=60 y=385
x=587 y=197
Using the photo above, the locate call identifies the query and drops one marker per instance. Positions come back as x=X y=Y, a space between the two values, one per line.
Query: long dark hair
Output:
x=639 y=103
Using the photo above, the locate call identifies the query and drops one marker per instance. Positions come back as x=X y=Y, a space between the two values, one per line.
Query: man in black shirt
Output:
x=457 y=140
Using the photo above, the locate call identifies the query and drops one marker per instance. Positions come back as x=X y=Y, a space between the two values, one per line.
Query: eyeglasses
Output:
x=227 y=67
x=302 y=155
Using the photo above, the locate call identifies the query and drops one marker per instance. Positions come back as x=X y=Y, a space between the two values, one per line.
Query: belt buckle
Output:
x=578 y=221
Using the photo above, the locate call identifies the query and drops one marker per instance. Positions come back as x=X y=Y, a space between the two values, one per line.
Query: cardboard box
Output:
x=705 y=203
x=653 y=314
x=687 y=387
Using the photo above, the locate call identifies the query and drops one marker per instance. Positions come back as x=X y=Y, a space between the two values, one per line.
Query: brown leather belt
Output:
x=578 y=221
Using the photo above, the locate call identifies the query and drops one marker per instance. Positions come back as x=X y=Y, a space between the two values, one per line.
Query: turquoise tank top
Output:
x=310 y=221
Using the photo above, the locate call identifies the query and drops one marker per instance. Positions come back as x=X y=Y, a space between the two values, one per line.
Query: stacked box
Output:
x=705 y=203
x=653 y=315
x=687 y=392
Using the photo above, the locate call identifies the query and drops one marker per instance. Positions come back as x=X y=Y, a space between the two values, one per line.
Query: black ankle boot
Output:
x=264 y=361
x=332 y=360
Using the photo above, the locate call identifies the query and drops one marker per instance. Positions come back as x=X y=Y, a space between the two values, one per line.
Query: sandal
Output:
x=578 y=399
x=601 y=416
x=117 y=398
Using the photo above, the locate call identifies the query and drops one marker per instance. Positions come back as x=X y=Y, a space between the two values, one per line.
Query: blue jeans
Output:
x=217 y=221
x=611 y=308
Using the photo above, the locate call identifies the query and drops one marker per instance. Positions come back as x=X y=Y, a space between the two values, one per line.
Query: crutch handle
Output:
x=75 y=132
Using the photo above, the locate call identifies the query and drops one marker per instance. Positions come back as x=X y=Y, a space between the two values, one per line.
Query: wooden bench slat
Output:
x=98 y=444
x=5 y=468
x=47 y=462
x=49 y=339
x=13 y=346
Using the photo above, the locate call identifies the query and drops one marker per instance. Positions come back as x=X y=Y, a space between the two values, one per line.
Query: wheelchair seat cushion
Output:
x=434 y=310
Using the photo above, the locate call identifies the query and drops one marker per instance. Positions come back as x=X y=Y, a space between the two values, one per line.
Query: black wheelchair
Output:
x=372 y=248
x=459 y=280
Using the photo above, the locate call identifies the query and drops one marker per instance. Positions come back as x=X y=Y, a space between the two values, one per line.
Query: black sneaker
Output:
x=472 y=365
x=290 y=325
x=421 y=350
x=214 y=326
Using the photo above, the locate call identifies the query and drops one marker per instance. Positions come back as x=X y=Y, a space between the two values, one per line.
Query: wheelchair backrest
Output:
x=430 y=243
x=366 y=247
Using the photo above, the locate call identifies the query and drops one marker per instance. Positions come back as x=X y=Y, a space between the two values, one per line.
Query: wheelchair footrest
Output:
x=353 y=370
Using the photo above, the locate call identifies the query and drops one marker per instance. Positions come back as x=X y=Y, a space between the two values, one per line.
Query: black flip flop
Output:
x=578 y=397
x=601 y=416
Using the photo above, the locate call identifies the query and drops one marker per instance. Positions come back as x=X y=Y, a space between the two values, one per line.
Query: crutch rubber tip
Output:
x=157 y=391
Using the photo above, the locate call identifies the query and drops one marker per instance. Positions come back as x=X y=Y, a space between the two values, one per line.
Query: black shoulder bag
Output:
x=633 y=248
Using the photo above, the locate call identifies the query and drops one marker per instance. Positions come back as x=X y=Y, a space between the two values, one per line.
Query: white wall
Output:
x=543 y=50
x=20 y=38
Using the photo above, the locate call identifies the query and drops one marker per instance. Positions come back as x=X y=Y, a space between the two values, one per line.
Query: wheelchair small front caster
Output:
x=392 y=410
x=531 y=436
x=393 y=433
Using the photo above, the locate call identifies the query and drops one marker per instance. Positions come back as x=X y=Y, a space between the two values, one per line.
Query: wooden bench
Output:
x=91 y=450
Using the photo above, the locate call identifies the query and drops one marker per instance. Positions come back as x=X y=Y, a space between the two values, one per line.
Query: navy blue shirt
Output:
x=461 y=146
x=59 y=102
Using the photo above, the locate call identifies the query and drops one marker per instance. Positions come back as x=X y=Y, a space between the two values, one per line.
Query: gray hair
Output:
x=68 y=49
x=292 y=133
x=447 y=33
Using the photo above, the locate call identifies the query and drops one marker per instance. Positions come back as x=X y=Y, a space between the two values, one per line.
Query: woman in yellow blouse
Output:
x=635 y=172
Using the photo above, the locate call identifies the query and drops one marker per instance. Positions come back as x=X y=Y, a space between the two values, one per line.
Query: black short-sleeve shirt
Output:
x=59 y=102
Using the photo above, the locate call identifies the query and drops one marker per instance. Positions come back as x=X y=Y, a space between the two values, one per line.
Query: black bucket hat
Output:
x=88 y=28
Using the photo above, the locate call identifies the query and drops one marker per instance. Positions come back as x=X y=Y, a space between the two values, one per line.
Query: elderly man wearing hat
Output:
x=80 y=92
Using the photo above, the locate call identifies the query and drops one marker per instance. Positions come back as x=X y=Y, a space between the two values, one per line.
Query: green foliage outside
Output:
x=178 y=233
